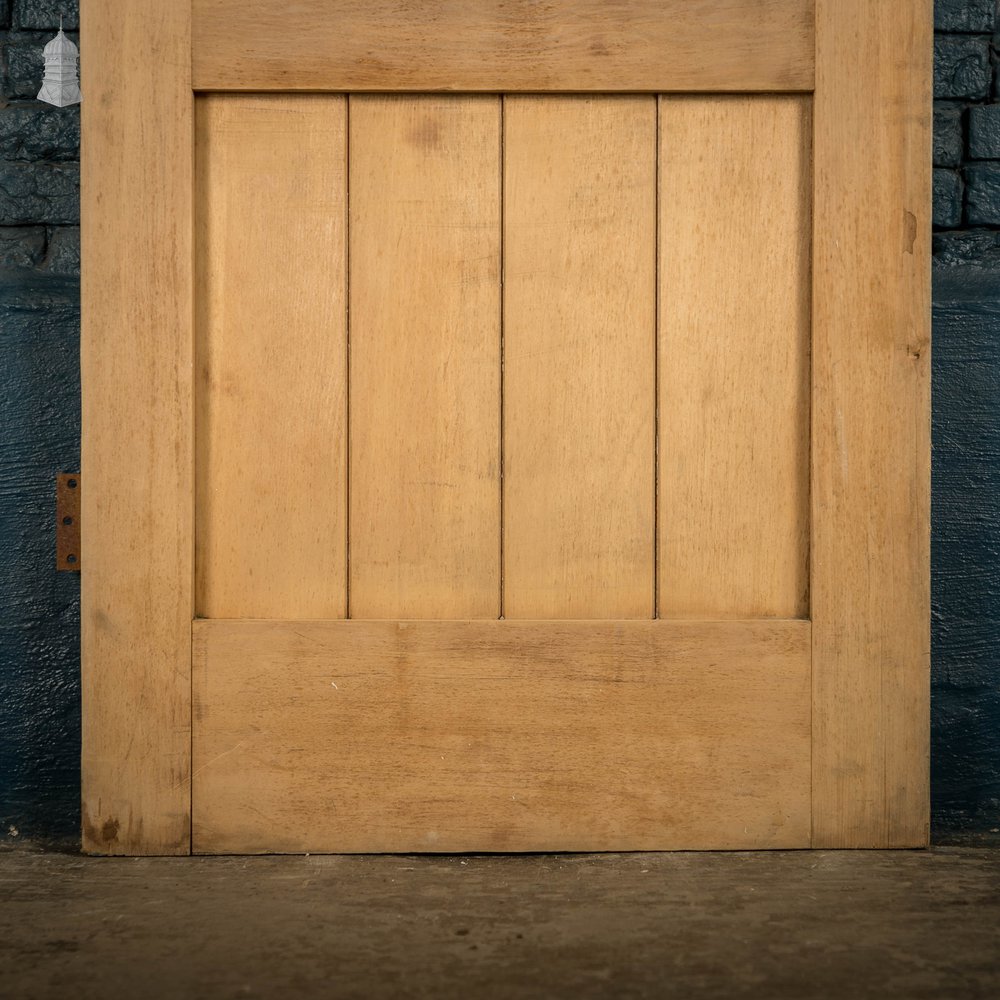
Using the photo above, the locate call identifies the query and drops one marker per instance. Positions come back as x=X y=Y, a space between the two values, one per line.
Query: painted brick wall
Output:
x=39 y=432
x=965 y=755
x=39 y=425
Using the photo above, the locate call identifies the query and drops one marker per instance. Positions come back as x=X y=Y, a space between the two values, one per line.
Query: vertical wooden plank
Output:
x=425 y=357
x=871 y=454
x=271 y=410
x=579 y=336
x=735 y=184
x=137 y=446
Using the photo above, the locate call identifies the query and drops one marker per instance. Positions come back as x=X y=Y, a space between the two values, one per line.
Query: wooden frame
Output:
x=629 y=700
x=137 y=350
x=870 y=436
x=630 y=46
x=871 y=424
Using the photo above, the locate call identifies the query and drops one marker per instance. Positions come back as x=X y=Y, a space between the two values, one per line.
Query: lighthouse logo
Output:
x=61 y=84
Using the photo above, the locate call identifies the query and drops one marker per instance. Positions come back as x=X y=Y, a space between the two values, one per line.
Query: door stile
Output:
x=871 y=424
x=138 y=441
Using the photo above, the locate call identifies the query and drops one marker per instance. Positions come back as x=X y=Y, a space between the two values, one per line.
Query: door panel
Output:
x=502 y=735
x=425 y=357
x=504 y=45
x=271 y=476
x=735 y=183
x=248 y=452
x=508 y=376
x=579 y=356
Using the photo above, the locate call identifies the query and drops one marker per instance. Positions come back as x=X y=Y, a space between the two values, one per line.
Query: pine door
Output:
x=505 y=426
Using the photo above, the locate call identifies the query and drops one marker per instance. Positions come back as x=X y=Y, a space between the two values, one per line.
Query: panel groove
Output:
x=347 y=357
x=656 y=370
x=503 y=350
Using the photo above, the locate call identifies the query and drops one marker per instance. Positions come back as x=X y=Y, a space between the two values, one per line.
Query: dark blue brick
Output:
x=984 y=132
x=39 y=192
x=36 y=131
x=46 y=13
x=964 y=15
x=947 y=198
x=978 y=248
x=63 y=254
x=962 y=67
x=983 y=194
x=21 y=246
x=23 y=58
x=947 y=136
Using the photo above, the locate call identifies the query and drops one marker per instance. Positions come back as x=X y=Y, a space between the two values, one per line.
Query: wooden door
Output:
x=505 y=427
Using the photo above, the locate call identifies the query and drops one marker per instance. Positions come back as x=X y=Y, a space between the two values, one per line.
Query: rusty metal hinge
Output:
x=68 y=521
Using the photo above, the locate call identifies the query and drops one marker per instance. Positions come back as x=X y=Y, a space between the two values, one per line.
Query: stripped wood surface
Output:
x=734 y=245
x=871 y=425
x=271 y=412
x=500 y=736
x=504 y=45
x=425 y=357
x=381 y=439
x=137 y=444
x=579 y=350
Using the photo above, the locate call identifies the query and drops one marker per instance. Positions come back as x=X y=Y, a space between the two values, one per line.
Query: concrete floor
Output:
x=796 y=924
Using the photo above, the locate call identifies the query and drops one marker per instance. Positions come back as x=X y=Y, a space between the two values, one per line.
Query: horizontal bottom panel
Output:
x=372 y=736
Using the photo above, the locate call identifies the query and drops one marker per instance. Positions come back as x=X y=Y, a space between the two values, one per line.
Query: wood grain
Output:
x=579 y=356
x=271 y=415
x=871 y=426
x=734 y=238
x=137 y=445
x=514 y=735
x=425 y=357
x=504 y=45
x=500 y=736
